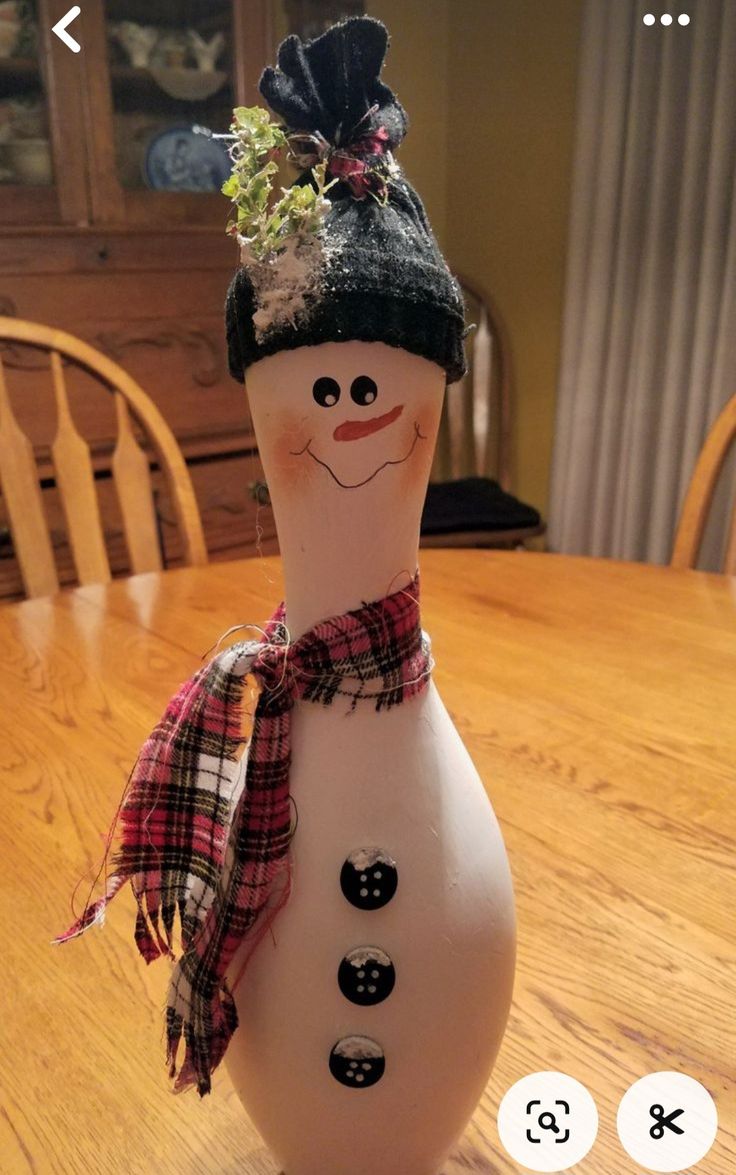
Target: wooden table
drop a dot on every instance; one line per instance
(598, 701)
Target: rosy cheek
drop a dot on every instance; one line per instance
(428, 420)
(284, 433)
(416, 470)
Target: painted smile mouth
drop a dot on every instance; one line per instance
(353, 430)
(418, 436)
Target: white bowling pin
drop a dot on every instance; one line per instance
(372, 1013)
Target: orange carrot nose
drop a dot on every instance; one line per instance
(353, 430)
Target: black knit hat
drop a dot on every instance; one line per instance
(383, 276)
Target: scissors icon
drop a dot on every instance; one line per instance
(657, 1112)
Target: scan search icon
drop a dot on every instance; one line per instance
(548, 1121)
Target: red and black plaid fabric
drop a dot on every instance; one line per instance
(196, 844)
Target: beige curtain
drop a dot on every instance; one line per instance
(649, 332)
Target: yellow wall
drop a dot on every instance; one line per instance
(417, 70)
(495, 81)
(513, 73)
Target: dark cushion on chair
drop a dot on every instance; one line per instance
(473, 503)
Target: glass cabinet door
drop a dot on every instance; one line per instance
(107, 135)
(170, 70)
(171, 81)
(39, 126)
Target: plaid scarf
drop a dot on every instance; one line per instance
(196, 844)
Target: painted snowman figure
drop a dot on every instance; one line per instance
(371, 1016)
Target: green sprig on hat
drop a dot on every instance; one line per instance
(261, 227)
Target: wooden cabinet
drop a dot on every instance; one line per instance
(95, 240)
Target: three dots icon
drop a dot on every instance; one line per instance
(666, 19)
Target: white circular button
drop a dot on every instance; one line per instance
(667, 1121)
(547, 1121)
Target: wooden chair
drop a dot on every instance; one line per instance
(469, 501)
(700, 494)
(74, 475)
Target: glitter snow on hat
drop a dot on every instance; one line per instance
(281, 244)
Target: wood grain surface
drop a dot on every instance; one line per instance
(597, 699)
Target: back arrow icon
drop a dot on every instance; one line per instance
(60, 29)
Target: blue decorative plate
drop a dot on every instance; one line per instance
(178, 160)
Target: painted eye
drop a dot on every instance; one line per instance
(363, 390)
(326, 391)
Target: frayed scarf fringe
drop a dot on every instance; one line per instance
(200, 1059)
(148, 938)
(203, 1050)
(151, 943)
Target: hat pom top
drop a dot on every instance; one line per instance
(331, 83)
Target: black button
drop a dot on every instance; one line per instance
(357, 1061)
(366, 976)
(369, 878)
